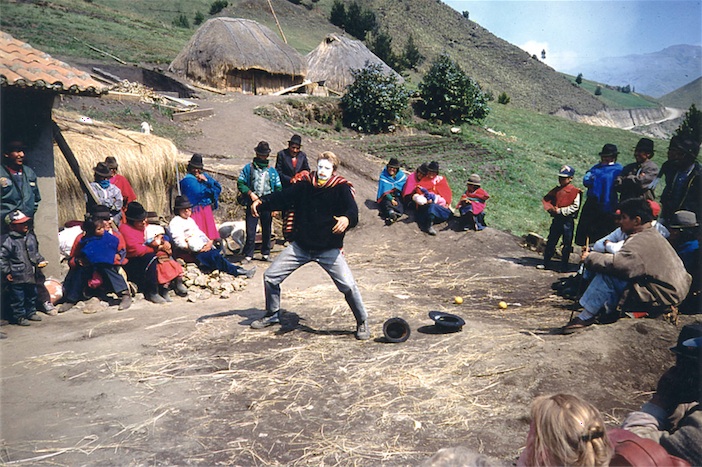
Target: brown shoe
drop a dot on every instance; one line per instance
(576, 324)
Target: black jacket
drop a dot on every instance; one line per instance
(19, 256)
(283, 164)
(315, 209)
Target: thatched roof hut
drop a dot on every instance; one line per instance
(148, 162)
(333, 60)
(240, 55)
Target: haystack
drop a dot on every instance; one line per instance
(334, 59)
(240, 55)
(148, 161)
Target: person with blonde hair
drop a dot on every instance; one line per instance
(565, 430)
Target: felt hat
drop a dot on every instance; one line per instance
(394, 163)
(295, 139)
(687, 333)
(182, 202)
(423, 169)
(101, 170)
(683, 220)
(609, 150)
(474, 179)
(17, 217)
(566, 171)
(100, 211)
(111, 162)
(655, 207)
(396, 330)
(262, 148)
(196, 162)
(644, 145)
(688, 146)
(433, 167)
(135, 212)
(446, 321)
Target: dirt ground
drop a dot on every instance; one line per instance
(193, 384)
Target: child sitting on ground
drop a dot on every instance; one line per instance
(471, 206)
(19, 259)
(97, 252)
(562, 203)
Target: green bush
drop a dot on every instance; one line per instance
(181, 21)
(217, 6)
(691, 127)
(503, 98)
(199, 18)
(374, 103)
(448, 95)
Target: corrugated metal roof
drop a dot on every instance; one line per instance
(21, 65)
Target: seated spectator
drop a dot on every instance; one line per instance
(471, 206)
(97, 253)
(106, 193)
(684, 236)
(188, 236)
(613, 242)
(121, 182)
(142, 266)
(683, 187)
(673, 415)
(432, 197)
(639, 179)
(565, 430)
(412, 181)
(646, 268)
(389, 197)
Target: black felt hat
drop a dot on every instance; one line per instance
(196, 162)
(262, 148)
(135, 212)
(433, 167)
(181, 202)
(396, 330)
(644, 145)
(100, 211)
(609, 150)
(689, 331)
(447, 321)
(296, 139)
(394, 163)
(102, 170)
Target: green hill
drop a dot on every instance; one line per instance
(684, 97)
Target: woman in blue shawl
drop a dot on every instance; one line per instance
(389, 199)
(203, 192)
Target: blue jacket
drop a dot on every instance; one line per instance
(201, 193)
(19, 256)
(389, 185)
(599, 181)
(245, 181)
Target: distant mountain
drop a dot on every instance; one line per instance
(653, 74)
(684, 97)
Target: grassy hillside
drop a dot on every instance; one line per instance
(685, 96)
(615, 99)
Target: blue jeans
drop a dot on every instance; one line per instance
(332, 261)
(22, 300)
(213, 260)
(603, 291)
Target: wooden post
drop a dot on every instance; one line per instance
(73, 164)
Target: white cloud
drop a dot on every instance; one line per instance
(559, 60)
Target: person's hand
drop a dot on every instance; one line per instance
(254, 207)
(207, 246)
(9, 278)
(342, 223)
(118, 258)
(393, 202)
(166, 246)
(43, 264)
(201, 177)
(585, 253)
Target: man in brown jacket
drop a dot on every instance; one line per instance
(646, 272)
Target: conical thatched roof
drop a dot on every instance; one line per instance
(333, 60)
(223, 45)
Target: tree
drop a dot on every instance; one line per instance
(465, 14)
(449, 95)
(375, 102)
(579, 79)
(411, 57)
(199, 18)
(337, 17)
(543, 54)
(359, 21)
(503, 98)
(217, 6)
(181, 21)
(380, 43)
(598, 90)
(691, 127)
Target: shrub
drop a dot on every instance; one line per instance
(374, 103)
(448, 95)
(579, 79)
(181, 21)
(691, 127)
(598, 91)
(411, 57)
(199, 18)
(217, 6)
(503, 98)
(337, 17)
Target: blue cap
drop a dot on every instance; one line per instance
(566, 171)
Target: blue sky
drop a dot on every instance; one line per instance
(575, 32)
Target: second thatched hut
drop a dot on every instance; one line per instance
(240, 55)
(334, 59)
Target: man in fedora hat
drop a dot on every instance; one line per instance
(106, 193)
(291, 161)
(638, 179)
(389, 198)
(187, 236)
(682, 172)
(325, 209)
(203, 191)
(255, 180)
(673, 415)
(684, 236)
(597, 218)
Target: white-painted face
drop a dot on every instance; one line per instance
(325, 169)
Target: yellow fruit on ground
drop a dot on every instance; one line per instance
(502, 305)
(458, 300)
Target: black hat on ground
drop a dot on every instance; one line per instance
(101, 170)
(446, 321)
(396, 330)
(181, 202)
(433, 167)
(135, 212)
(196, 162)
(644, 145)
(394, 163)
(262, 148)
(609, 150)
(296, 139)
